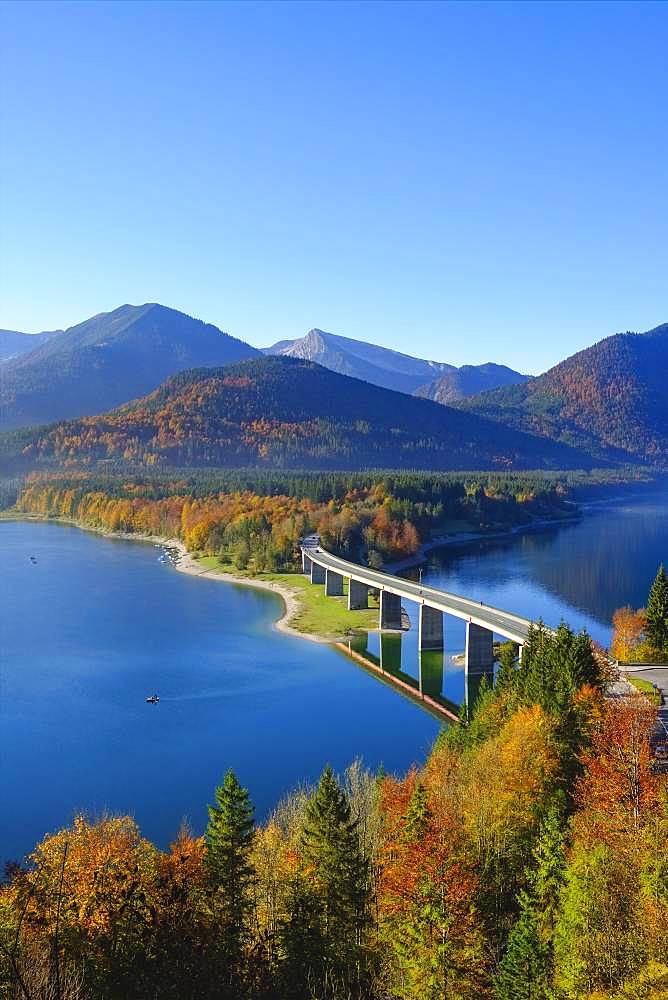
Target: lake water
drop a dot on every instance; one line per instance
(96, 624)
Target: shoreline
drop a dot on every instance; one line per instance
(466, 537)
(186, 563)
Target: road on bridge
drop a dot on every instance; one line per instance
(504, 623)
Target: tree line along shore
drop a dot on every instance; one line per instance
(247, 524)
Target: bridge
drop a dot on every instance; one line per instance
(482, 620)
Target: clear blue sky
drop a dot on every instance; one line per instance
(465, 182)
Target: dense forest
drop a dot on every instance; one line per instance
(608, 400)
(527, 859)
(255, 519)
(280, 412)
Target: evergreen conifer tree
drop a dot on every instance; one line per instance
(526, 968)
(229, 838)
(657, 614)
(332, 851)
(523, 972)
(301, 944)
(546, 878)
(417, 815)
(507, 676)
(554, 666)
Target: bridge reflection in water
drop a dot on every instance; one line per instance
(431, 678)
(344, 580)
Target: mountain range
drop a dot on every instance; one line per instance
(609, 400)
(392, 370)
(107, 360)
(116, 356)
(284, 412)
(605, 404)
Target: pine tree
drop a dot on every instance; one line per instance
(657, 614)
(507, 673)
(523, 972)
(554, 666)
(301, 944)
(229, 838)
(333, 853)
(526, 968)
(546, 878)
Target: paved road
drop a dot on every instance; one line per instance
(659, 676)
(504, 623)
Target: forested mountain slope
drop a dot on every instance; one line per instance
(107, 360)
(391, 369)
(283, 412)
(609, 399)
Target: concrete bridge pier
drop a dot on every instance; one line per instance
(333, 584)
(390, 610)
(479, 660)
(306, 564)
(430, 628)
(317, 573)
(479, 657)
(358, 595)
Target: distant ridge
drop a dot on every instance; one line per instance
(283, 412)
(469, 380)
(392, 369)
(609, 399)
(13, 344)
(107, 360)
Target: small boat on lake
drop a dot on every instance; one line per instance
(152, 699)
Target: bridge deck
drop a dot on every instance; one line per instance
(504, 623)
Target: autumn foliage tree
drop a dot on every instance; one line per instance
(628, 634)
(427, 895)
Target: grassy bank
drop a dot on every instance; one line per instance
(645, 687)
(327, 617)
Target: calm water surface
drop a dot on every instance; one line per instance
(97, 624)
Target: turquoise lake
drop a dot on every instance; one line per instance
(95, 624)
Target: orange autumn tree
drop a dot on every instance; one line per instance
(89, 894)
(426, 893)
(388, 533)
(181, 936)
(619, 787)
(628, 636)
